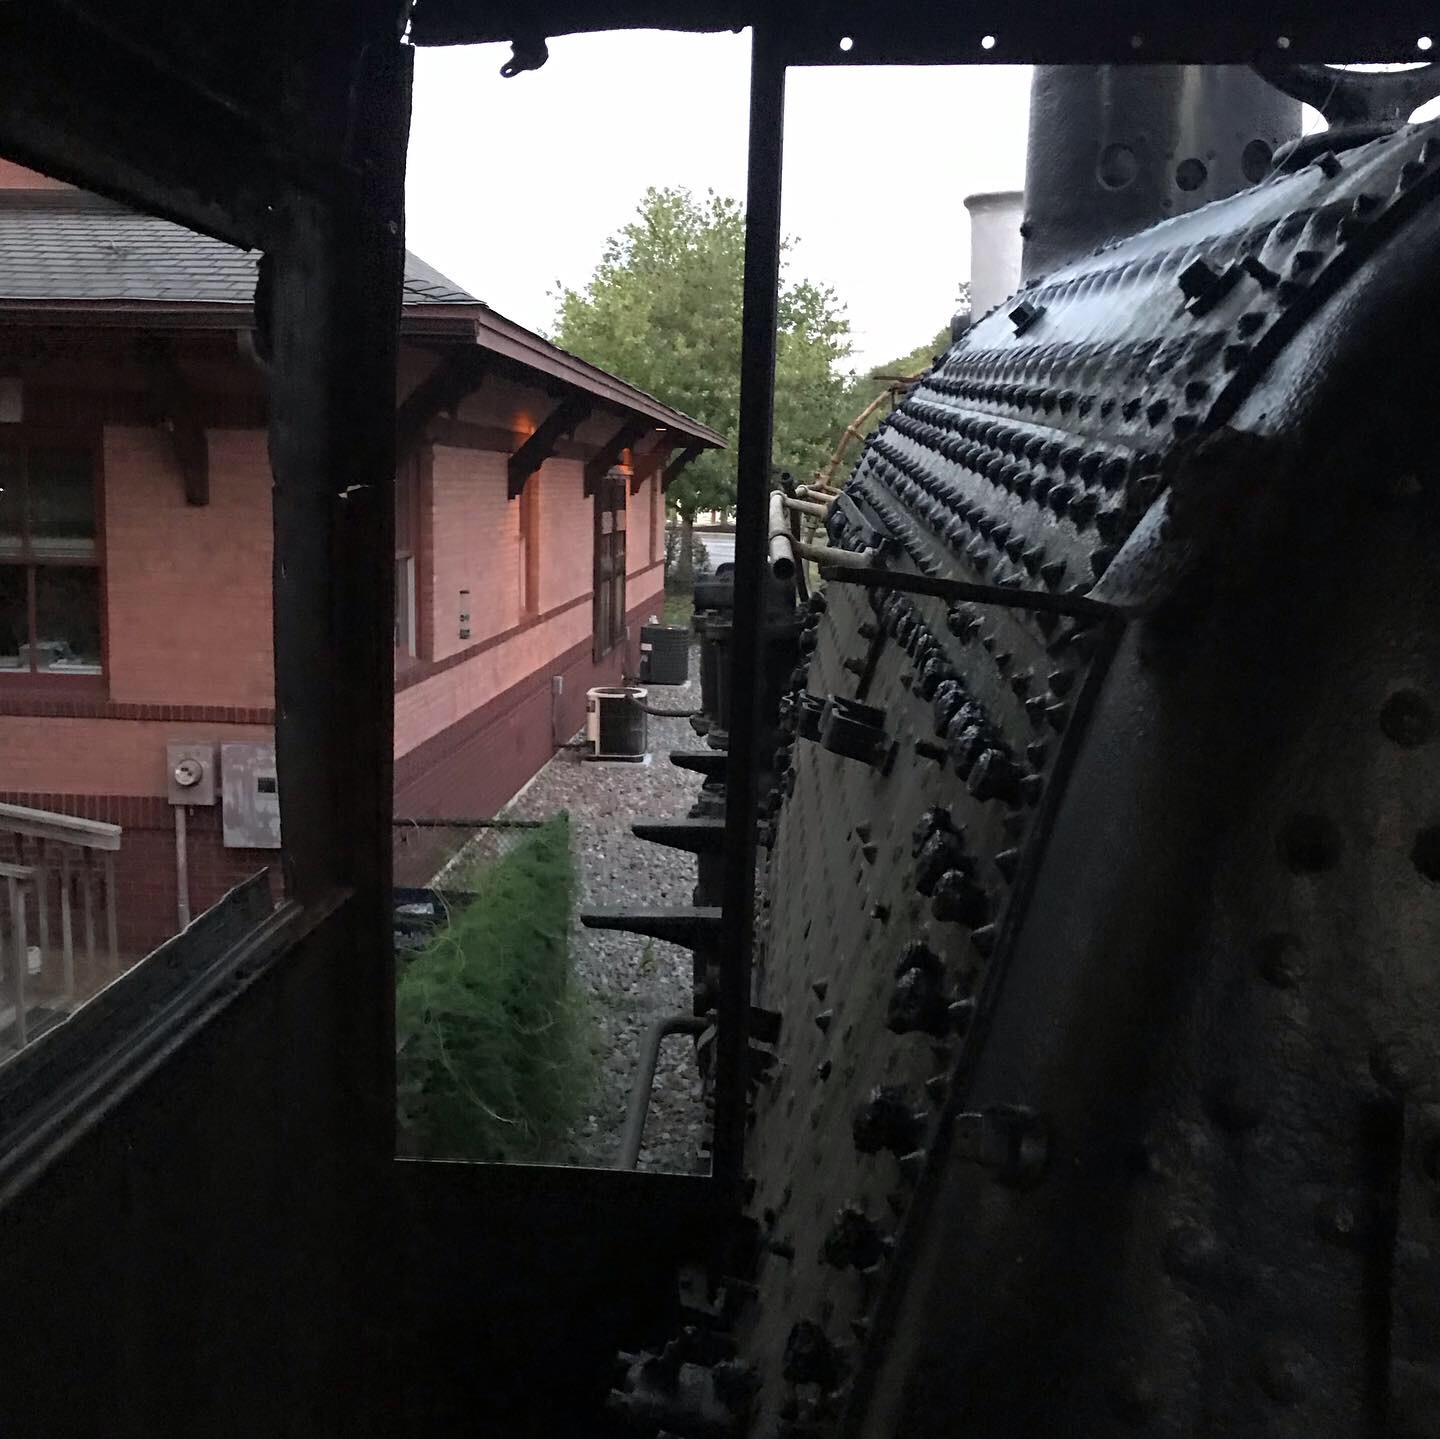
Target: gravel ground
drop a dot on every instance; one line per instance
(631, 981)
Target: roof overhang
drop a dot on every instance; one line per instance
(516, 351)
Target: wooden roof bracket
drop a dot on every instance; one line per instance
(458, 374)
(608, 455)
(672, 470)
(652, 462)
(179, 418)
(571, 412)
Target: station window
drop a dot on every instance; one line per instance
(50, 580)
(407, 525)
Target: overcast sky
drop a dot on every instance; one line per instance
(515, 184)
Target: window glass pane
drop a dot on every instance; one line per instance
(404, 510)
(67, 619)
(62, 503)
(405, 608)
(12, 504)
(14, 624)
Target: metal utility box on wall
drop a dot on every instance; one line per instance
(250, 796)
(190, 772)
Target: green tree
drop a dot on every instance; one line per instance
(877, 384)
(663, 310)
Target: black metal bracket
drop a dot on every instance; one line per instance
(688, 925)
(571, 412)
(697, 836)
(709, 762)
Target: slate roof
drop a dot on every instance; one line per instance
(86, 255)
(69, 245)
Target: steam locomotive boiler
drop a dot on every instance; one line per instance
(1101, 906)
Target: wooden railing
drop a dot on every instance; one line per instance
(46, 853)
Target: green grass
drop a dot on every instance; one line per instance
(678, 608)
(494, 1035)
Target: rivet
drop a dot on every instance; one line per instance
(1308, 844)
(1196, 278)
(1398, 1066)
(1329, 163)
(1283, 1371)
(854, 1241)
(912, 1166)
(824, 1020)
(810, 1357)
(1281, 960)
(887, 1120)
(1024, 315)
(1345, 1221)
(822, 1070)
(821, 988)
(1406, 718)
(1425, 853)
(1192, 1253)
(1236, 1104)
(1261, 273)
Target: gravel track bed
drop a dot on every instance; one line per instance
(631, 981)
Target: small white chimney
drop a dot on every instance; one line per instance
(995, 245)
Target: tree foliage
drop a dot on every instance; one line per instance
(663, 311)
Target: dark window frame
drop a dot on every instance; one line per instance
(408, 550)
(608, 582)
(90, 438)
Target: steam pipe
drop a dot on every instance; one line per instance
(805, 507)
(634, 1132)
(782, 543)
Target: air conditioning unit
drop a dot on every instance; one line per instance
(615, 722)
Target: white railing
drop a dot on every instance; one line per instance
(78, 855)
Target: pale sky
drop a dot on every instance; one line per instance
(515, 184)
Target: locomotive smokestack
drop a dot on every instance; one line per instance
(995, 243)
(1114, 148)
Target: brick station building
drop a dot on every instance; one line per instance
(135, 535)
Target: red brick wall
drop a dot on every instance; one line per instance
(188, 586)
(475, 546)
(99, 756)
(567, 534)
(473, 766)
